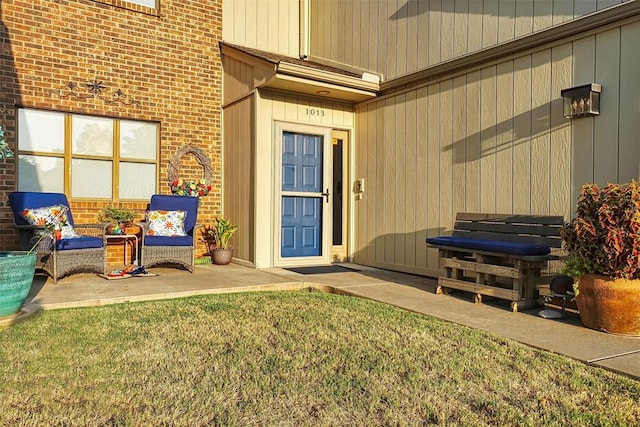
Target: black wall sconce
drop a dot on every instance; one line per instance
(581, 101)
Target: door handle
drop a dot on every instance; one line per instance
(326, 195)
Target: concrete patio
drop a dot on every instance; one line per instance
(564, 336)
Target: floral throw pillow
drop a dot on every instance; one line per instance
(166, 223)
(54, 217)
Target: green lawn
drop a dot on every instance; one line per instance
(289, 358)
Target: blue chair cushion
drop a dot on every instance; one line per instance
(511, 248)
(168, 240)
(177, 203)
(21, 200)
(84, 242)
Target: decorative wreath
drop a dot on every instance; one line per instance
(201, 157)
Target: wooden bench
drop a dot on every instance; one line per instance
(498, 255)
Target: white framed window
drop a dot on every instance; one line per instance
(87, 157)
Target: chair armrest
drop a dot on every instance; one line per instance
(29, 237)
(92, 230)
(143, 225)
(30, 227)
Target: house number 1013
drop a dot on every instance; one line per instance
(315, 112)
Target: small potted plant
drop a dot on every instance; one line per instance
(217, 236)
(118, 218)
(603, 244)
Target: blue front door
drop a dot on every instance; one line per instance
(302, 195)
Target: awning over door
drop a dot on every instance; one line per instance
(306, 77)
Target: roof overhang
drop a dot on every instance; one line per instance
(307, 80)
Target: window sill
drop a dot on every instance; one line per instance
(124, 4)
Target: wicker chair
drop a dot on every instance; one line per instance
(59, 257)
(177, 250)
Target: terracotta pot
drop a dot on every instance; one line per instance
(221, 256)
(115, 229)
(609, 305)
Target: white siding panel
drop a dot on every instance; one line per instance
(435, 30)
(423, 34)
(490, 23)
(522, 135)
(379, 38)
(488, 141)
(583, 7)
(446, 187)
(371, 182)
(582, 153)
(562, 11)
(414, 190)
(271, 25)
(434, 222)
(606, 145)
(506, 20)
(504, 138)
(541, 140)
(357, 27)
(473, 147)
(390, 191)
(603, 4)
(458, 146)
(379, 189)
(447, 31)
(400, 59)
(524, 17)
(361, 152)
(542, 14)
(560, 173)
(368, 44)
(262, 25)
(332, 34)
(629, 156)
(238, 190)
(401, 188)
(422, 174)
(461, 27)
(474, 37)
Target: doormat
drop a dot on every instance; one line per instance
(128, 271)
(321, 269)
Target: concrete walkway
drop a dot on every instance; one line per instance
(565, 336)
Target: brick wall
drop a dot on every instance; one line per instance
(166, 58)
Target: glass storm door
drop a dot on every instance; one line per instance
(305, 196)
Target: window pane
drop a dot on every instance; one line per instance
(39, 173)
(92, 135)
(40, 131)
(137, 180)
(138, 140)
(91, 178)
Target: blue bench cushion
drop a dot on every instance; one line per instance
(82, 242)
(168, 240)
(511, 248)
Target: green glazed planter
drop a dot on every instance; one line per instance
(16, 276)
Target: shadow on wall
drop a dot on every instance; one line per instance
(9, 97)
(536, 10)
(505, 135)
(402, 251)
